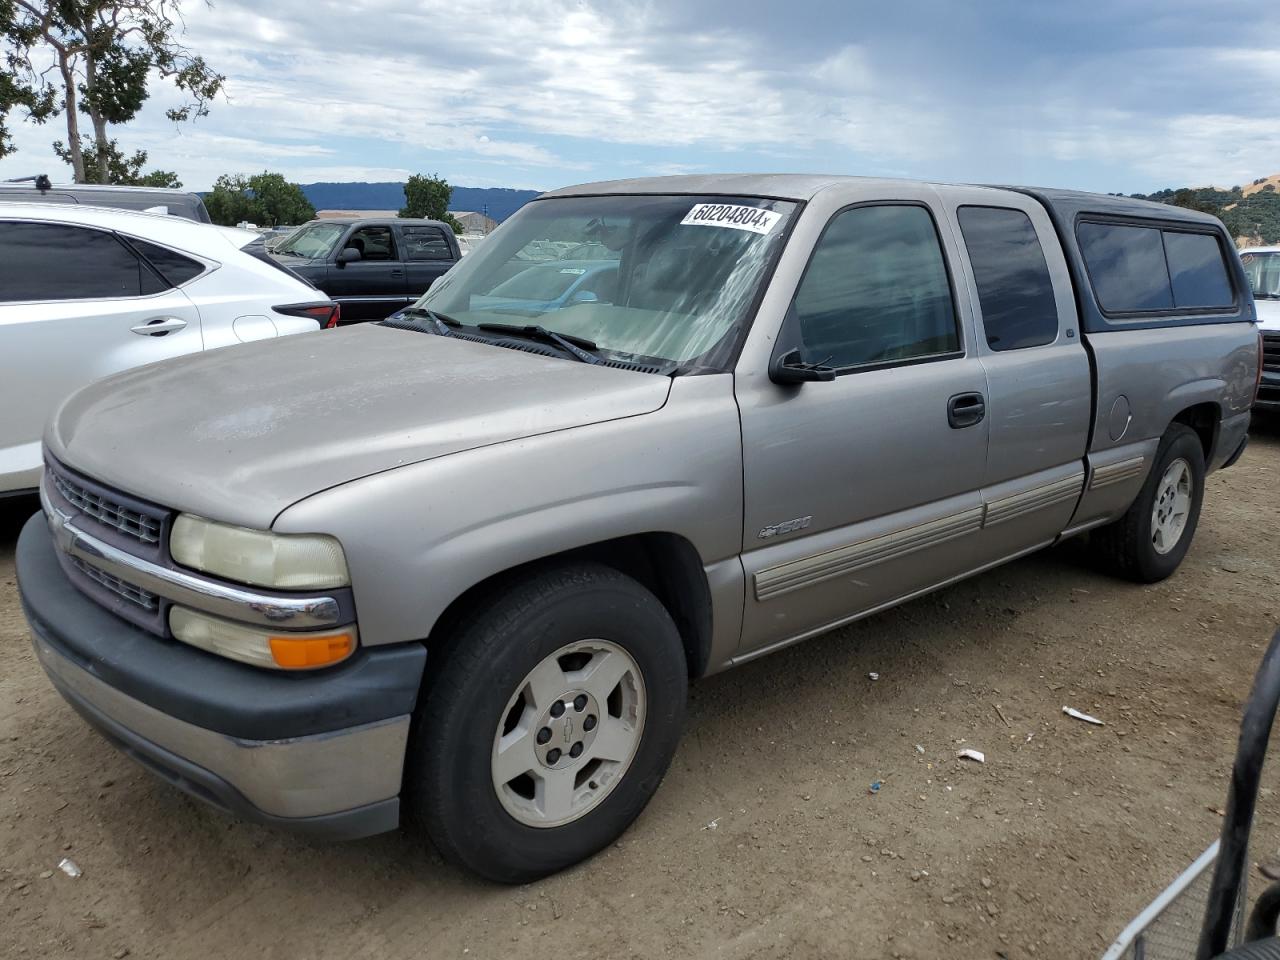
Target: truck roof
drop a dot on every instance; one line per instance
(804, 186)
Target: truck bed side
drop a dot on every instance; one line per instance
(1153, 368)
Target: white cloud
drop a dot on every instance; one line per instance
(547, 91)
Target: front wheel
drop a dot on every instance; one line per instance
(553, 717)
(1148, 543)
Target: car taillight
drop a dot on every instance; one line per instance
(326, 314)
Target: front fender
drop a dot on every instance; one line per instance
(417, 537)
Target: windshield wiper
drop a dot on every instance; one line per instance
(573, 345)
(442, 322)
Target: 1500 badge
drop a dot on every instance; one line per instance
(787, 526)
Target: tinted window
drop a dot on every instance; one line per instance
(174, 267)
(425, 243)
(42, 261)
(1014, 289)
(1135, 269)
(1197, 271)
(876, 290)
(1126, 267)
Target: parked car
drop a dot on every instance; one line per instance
(372, 267)
(86, 291)
(475, 590)
(1262, 267)
(177, 203)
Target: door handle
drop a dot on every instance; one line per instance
(159, 326)
(966, 409)
(397, 272)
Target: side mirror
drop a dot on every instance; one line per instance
(348, 255)
(789, 368)
(584, 296)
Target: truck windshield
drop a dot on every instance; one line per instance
(665, 278)
(1263, 271)
(313, 241)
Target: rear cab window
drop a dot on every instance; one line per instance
(425, 243)
(1015, 289)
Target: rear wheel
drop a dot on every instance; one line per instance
(552, 718)
(1148, 543)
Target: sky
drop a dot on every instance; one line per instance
(1120, 96)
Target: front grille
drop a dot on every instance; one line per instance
(1271, 351)
(143, 598)
(106, 510)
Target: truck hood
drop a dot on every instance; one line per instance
(239, 434)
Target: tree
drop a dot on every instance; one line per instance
(92, 57)
(267, 199)
(1191, 200)
(428, 198)
(126, 171)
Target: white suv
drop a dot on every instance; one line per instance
(88, 291)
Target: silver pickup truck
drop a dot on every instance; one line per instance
(459, 567)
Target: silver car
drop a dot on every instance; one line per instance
(459, 567)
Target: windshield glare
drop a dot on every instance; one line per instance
(313, 241)
(1263, 271)
(644, 277)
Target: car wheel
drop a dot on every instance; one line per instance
(548, 722)
(1148, 543)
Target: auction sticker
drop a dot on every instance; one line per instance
(733, 216)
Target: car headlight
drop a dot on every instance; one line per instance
(285, 561)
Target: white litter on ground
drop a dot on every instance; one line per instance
(1083, 716)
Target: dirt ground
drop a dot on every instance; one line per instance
(764, 841)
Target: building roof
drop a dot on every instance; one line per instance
(355, 214)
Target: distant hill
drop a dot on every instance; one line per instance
(498, 202)
(1268, 184)
(1250, 212)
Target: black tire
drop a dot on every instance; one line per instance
(1125, 547)
(482, 662)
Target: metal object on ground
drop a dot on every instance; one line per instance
(1169, 929)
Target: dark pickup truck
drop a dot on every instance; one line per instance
(373, 267)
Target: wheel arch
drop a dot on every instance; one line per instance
(1205, 419)
(666, 564)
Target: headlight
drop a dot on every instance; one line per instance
(288, 651)
(286, 561)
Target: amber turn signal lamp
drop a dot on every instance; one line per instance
(307, 653)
